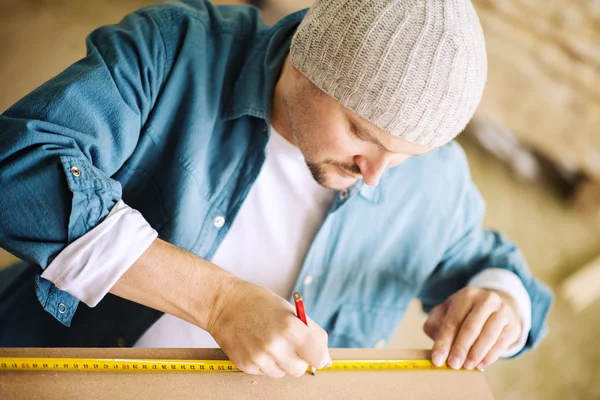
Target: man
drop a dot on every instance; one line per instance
(169, 168)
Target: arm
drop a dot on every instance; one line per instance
(461, 317)
(188, 291)
(60, 144)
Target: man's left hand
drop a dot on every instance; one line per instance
(472, 328)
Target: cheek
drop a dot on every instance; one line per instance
(322, 132)
(334, 143)
(399, 159)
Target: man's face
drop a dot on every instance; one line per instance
(339, 147)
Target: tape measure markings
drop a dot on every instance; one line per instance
(158, 365)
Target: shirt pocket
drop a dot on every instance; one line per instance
(365, 326)
(141, 193)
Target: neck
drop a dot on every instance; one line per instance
(279, 117)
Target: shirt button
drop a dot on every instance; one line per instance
(62, 308)
(75, 171)
(380, 343)
(219, 221)
(308, 280)
(344, 194)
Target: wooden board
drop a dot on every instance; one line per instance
(544, 76)
(405, 385)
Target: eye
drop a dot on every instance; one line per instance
(362, 138)
(357, 135)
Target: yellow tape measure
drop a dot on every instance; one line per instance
(157, 365)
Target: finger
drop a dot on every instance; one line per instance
(472, 326)
(315, 354)
(242, 361)
(251, 369)
(269, 367)
(509, 335)
(314, 347)
(293, 365)
(434, 321)
(489, 336)
(457, 311)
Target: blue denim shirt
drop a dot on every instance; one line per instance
(169, 111)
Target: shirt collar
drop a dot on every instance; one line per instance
(253, 90)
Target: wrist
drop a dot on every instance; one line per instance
(208, 298)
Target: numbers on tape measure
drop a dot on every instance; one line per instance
(83, 364)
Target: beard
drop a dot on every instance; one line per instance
(317, 170)
(303, 126)
(318, 173)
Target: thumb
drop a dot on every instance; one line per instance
(434, 321)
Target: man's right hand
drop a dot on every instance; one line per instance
(261, 333)
(257, 329)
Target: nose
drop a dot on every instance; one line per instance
(371, 169)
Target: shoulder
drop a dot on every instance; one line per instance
(213, 19)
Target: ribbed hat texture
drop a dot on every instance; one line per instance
(414, 68)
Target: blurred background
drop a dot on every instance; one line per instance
(533, 147)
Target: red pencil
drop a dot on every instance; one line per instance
(301, 313)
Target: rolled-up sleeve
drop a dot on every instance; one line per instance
(60, 145)
(90, 266)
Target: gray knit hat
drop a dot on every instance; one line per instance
(414, 68)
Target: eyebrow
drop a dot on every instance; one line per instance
(370, 138)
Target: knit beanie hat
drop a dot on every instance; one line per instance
(414, 68)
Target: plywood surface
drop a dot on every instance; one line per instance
(408, 385)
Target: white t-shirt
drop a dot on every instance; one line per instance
(268, 240)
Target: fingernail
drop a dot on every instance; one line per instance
(454, 362)
(438, 359)
(469, 364)
(480, 367)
